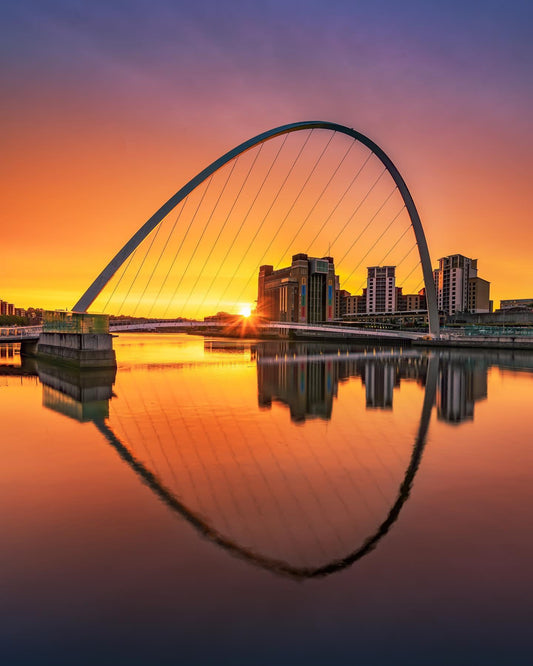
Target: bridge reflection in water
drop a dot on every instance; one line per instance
(290, 494)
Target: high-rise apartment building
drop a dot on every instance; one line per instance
(381, 289)
(302, 292)
(459, 289)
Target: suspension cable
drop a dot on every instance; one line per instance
(208, 290)
(202, 234)
(140, 266)
(120, 278)
(352, 182)
(380, 263)
(285, 218)
(359, 206)
(376, 241)
(200, 272)
(244, 220)
(316, 201)
(410, 272)
(406, 255)
(367, 225)
(419, 285)
(266, 215)
(172, 264)
(158, 260)
(185, 235)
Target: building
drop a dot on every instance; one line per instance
(341, 300)
(303, 292)
(459, 387)
(346, 304)
(410, 302)
(356, 304)
(31, 315)
(7, 308)
(479, 295)
(307, 387)
(380, 380)
(517, 304)
(381, 289)
(459, 289)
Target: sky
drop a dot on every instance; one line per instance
(108, 108)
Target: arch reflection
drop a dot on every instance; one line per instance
(322, 374)
(275, 565)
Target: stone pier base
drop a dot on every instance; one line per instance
(82, 350)
(28, 348)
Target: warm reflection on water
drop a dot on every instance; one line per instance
(222, 472)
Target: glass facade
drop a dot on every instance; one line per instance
(60, 321)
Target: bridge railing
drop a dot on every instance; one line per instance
(20, 331)
(488, 332)
(345, 330)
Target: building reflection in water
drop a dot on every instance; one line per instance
(462, 383)
(8, 352)
(305, 378)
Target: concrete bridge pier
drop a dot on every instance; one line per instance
(77, 339)
(28, 348)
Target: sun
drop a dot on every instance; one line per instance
(245, 311)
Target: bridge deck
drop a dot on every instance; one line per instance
(28, 333)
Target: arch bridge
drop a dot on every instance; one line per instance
(126, 252)
(119, 265)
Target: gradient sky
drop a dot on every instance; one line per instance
(109, 107)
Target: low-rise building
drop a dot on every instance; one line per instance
(517, 304)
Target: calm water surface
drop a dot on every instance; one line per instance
(223, 502)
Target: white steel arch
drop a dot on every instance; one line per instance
(118, 260)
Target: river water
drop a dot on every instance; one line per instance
(242, 502)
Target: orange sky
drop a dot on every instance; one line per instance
(100, 129)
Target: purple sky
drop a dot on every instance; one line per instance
(150, 92)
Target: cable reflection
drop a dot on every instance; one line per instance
(271, 564)
(303, 380)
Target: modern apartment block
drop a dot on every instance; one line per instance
(381, 289)
(459, 289)
(302, 292)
